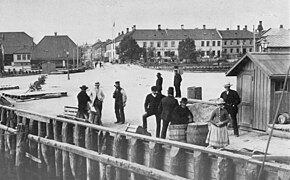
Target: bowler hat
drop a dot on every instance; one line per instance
(117, 83)
(153, 88)
(228, 84)
(158, 74)
(170, 90)
(183, 100)
(97, 83)
(84, 87)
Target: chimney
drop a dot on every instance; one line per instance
(260, 27)
(127, 30)
(246, 27)
(182, 26)
(238, 27)
(204, 27)
(281, 26)
(119, 33)
(159, 27)
(134, 26)
(122, 32)
(55, 33)
(228, 28)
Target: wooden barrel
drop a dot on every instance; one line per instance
(177, 132)
(284, 118)
(196, 133)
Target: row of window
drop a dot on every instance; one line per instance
(159, 44)
(213, 43)
(237, 50)
(23, 57)
(211, 53)
(237, 42)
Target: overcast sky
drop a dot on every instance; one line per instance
(89, 20)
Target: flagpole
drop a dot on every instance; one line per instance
(254, 41)
(113, 32)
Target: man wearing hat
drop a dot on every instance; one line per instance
(97, 96)
(83, 100)
(159, 82)
(177, 82)
(232, 100)
(166, 108)
(181, 114)
(151, 104)
(120, 102)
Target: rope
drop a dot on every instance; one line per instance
(275, 117)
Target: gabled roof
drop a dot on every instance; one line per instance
(171, 34)
(13, 41)
(272, 64)
(54, 47)
(278, 37)
(236, 34)
(24, 50)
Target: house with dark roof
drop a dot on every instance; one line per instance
(57, 49)
(237, 42)
(17, 48)
(260, 81)
(166, 41)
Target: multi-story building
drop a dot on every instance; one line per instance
(236, 42)
(17, 48)
(99, 50)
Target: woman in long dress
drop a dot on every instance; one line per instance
(218, 135)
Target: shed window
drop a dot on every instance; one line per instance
(279, 85)
(18, 57)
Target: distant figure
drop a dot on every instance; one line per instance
(166, 108)
(101, 64)
(120, 102)
(232, 100)
(218, 135)
(159, 83)
(97, 96)
(83, 100)
(151, 104)
(177, 83)
(181, 114)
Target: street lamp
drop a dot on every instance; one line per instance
(264, 45)
(67, 54)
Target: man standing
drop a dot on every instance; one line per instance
(166, 108)
(177, 82)
(151, 104)
(181, 114)
(97, 96)
(159, 82)
(232, 100)
(83, 100)
(120, 102)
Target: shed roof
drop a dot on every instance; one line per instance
(13, 41)
(272, 64)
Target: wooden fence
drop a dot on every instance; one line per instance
(67, 149)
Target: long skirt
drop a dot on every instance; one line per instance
(217, 136)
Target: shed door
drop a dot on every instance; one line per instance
(246, 106)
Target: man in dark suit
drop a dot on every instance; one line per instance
(232, 100)
(83, 99)
(151, 104)
(159, 82)
(166, 108)
(177, 82)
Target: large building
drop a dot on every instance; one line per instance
(17, 48)
(165, 41)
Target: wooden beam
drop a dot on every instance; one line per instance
(65, 154)
(57, 136)
(200, 165)
(119, 151)
(20, 151)
(176, 161)
(136, 151)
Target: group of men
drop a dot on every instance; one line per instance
(90, 105)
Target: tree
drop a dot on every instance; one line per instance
(186, 50)
(128, 49)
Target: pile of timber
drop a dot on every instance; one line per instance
(42, 94)
(8, 87)
(280, 130)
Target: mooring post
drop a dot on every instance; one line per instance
(91, 144)
(41, 133)
(12, 137)
(20, 151)
(176, 159)
(119, 151)
(2, 132)
(252, 171)
(109, 172)
(7, 136)
(33, 126)
(154, 155)
(136, 151)
(65, 154)
(103, 147)
(224, 169)
(57, 129)
(200, 165)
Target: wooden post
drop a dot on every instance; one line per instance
(103, 146)
(252, 171)
(20, 152)
(33, 145)
(12, 137)
(2, 132)
(176, 161)
(119, 151)
(201, 170)
(224, 169)
(57, 127)
(109, 172)
(136, 152)
(91, 143)
(41, 133)
(154, 154)
(65, 154)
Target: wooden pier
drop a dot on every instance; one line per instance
(66, 149)
(21, 95)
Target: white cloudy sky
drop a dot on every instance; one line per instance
(89, 20)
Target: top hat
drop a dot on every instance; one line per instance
(97, 83)
(84, 87)
(220, 101)
(228, 84)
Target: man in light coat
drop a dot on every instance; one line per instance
(97, 96)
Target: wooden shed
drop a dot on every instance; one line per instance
(260, 79)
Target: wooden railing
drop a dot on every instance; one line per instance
(67, 149)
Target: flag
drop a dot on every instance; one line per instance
(114, 24)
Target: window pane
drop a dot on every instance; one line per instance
(165, 44)
(172, 43)
(28, 56)
(23, 56)
(213, 43)
(18, 57)
(219, 43)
